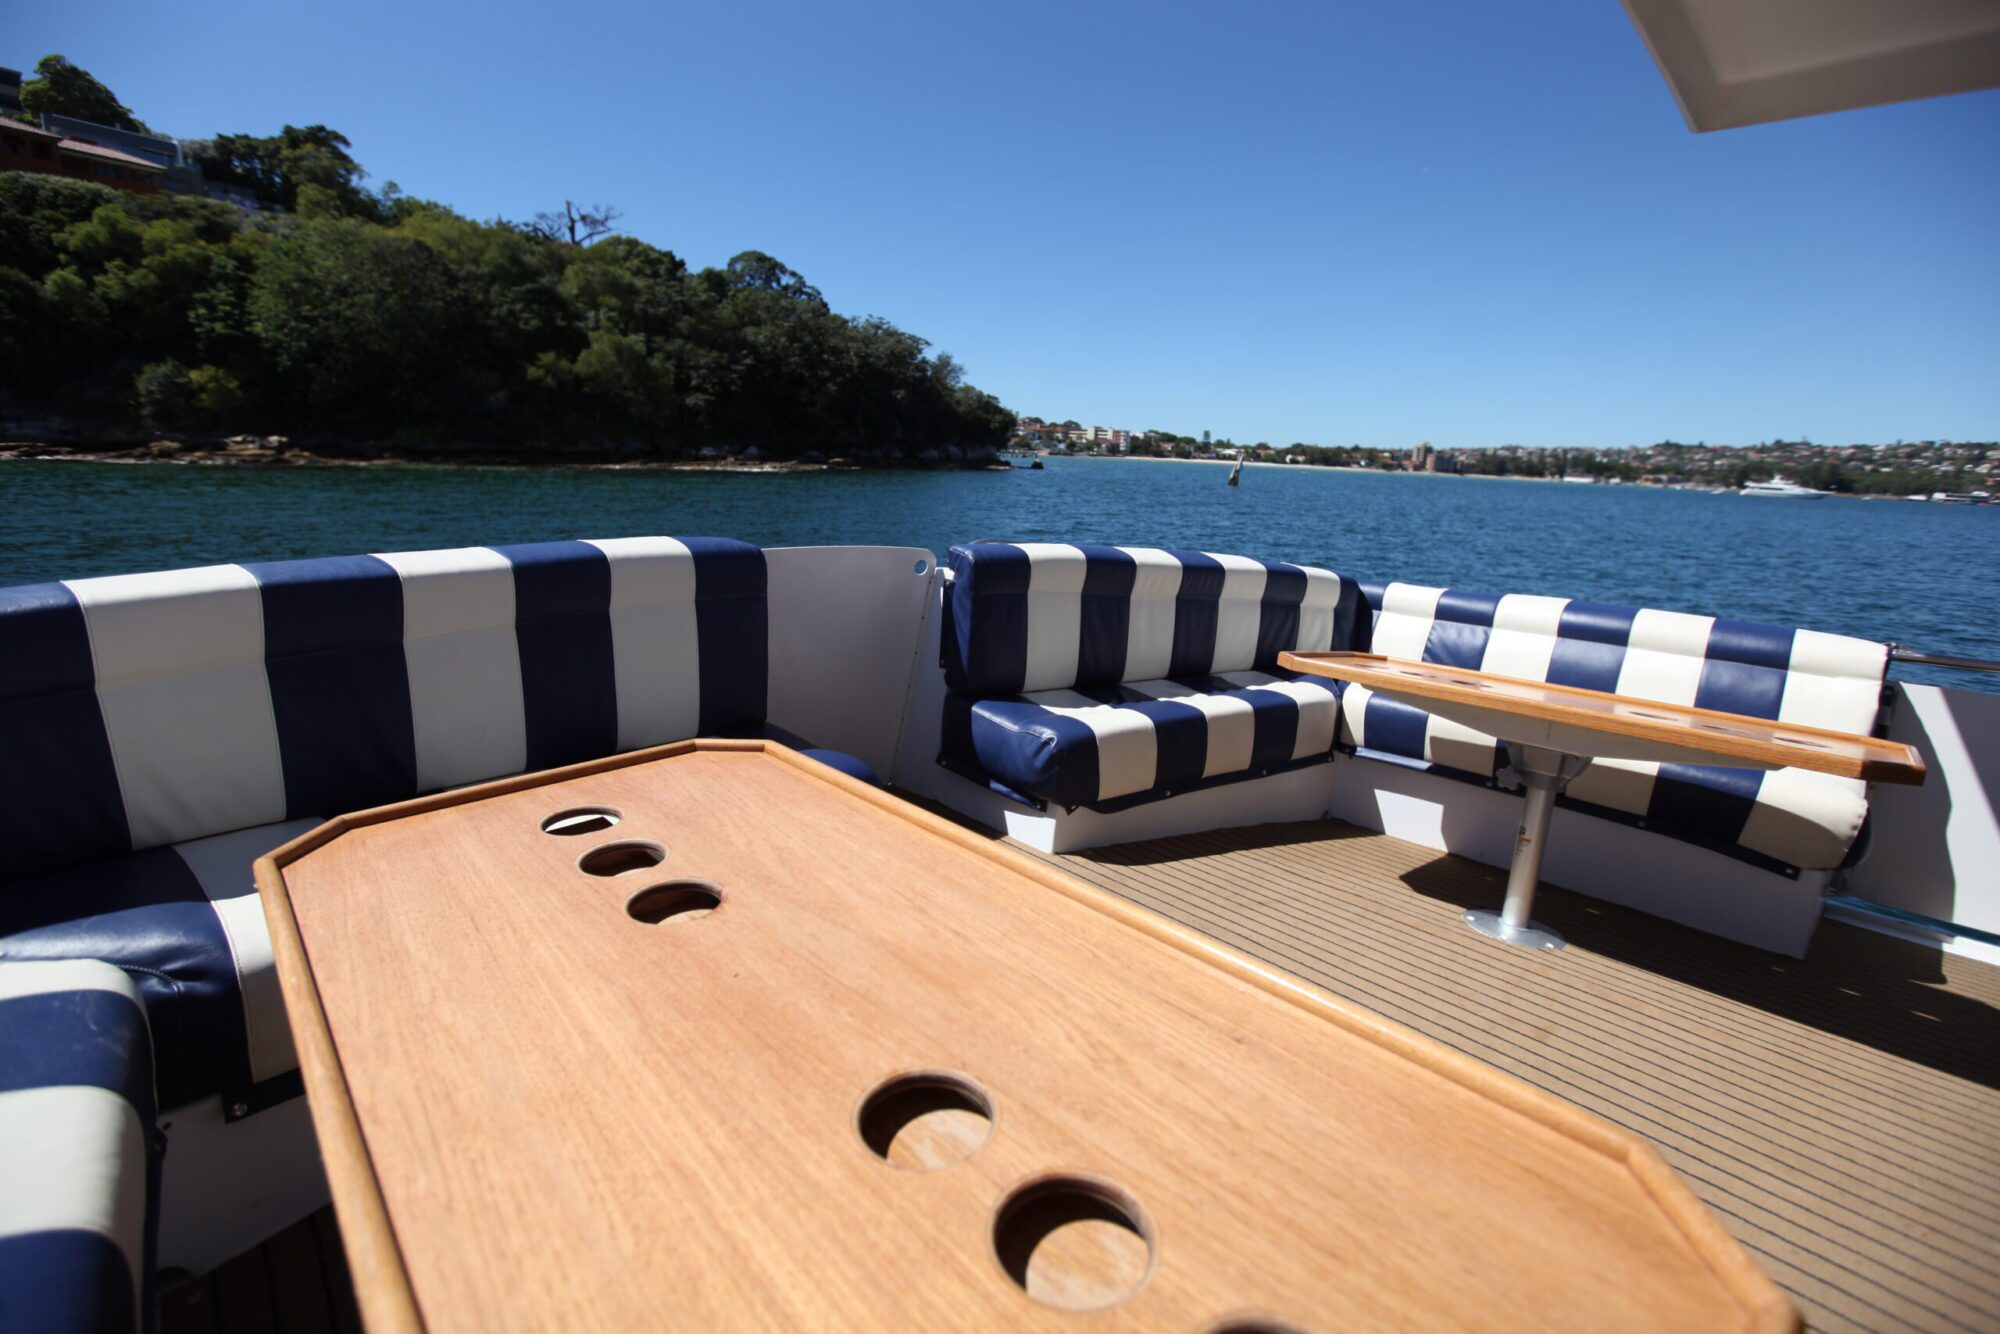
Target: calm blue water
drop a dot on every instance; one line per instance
(1924, 575)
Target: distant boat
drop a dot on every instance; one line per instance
(1780, 489)
(1236, 474)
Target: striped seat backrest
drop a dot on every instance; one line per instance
(147, 709)
(1044, 616)
(1795, 676)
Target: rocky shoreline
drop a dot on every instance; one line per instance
(281, 452)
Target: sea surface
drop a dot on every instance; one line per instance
(1919, 574)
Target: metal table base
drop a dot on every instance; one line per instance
(1543, 773)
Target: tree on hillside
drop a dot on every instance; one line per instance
(362, 326)
(278, 166)
(410, 323)
(69, 90)
(575, 225)
(755, 271)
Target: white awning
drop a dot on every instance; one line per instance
(1745, 62)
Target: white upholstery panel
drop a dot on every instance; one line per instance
(1056, 574)
(42, 977)
(655, 639)
(1403, 626)
(1834, 682)
(1807, 819)
(1459, 746)
(1523, 639)
(1128, 750)
(464, 664)
(76, 1159)
(179, 659)
(222, 865)
(1149, 631)
(1318, 610)
(1239, 613)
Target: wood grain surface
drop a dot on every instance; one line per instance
(538, 1111)
(1723, 735)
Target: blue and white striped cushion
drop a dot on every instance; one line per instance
(1094, 744)
(187, 924)
(77, 1150)
(144, 710)
(1789, 816)
(1032, 616)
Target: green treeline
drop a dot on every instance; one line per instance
(379, 317)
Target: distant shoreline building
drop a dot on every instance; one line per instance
(1428, 458)
(29, 148)
(1100, 439)
(85, 151)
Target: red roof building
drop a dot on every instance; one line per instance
(25, 147)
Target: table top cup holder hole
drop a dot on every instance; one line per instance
(926, 1120)
(581, 820)
(674, 901)
(621, 858)
(1073, 1243)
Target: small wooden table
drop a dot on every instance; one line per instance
(780, 1050)
(1553, 732)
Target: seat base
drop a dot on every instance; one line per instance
(228, 1184)
(1294, 794)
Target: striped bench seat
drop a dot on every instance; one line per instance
(1109, 676)
(1785, 820)
(79, 1154)
(165, 730)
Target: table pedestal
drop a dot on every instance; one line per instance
(1543, 773)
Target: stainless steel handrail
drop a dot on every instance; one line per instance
(1870, 908)
(1899, 653)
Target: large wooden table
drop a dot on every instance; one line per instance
(1554, 731)
(538, 1110)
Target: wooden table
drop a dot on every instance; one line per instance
(538, 1110)
(1553, 732)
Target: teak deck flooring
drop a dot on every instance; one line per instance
(1840, 1113)
(295, 1283)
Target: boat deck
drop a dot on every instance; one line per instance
(295, 1283)
(1840, 1113)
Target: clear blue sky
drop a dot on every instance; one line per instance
(1336, 222)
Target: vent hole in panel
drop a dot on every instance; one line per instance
(622, 858)
(581, 820)
(674, 901)
(926, 1121)
(1073, 1244)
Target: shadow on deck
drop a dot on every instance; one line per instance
(1854, 984)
